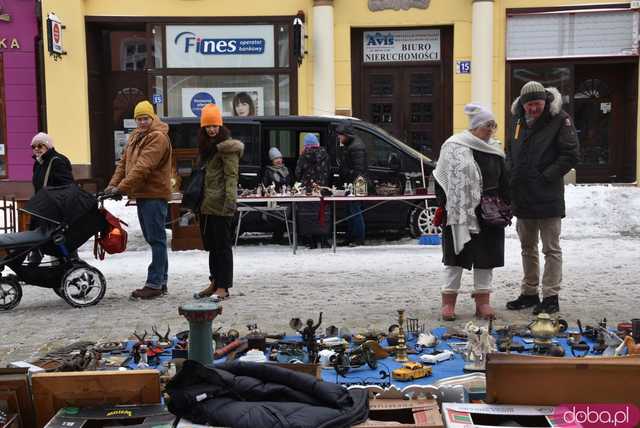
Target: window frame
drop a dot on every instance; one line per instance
(3, 121)
(291, 71)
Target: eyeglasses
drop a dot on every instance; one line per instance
(38, 147)
(490, 125)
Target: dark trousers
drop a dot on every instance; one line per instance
(216, 234)
(355, 225)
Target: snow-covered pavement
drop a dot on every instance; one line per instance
(356, 287)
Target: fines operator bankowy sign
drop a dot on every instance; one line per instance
(401, 46)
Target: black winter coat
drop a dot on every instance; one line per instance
(59, 175)
(278, 176)
(252, 395)
(313, 165)
(486, 249)
(538, 157)
(354, 161)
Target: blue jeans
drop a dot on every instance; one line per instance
(152, 214)
(355, 229)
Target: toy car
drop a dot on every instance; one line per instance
(411, 371)
(436, 358)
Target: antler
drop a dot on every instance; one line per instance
(141, 339)
(162, 338)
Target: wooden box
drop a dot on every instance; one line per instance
(53, 391)
(419, 413)
(15, 396)
(549, 381)
(313, 369)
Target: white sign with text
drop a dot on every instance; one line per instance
(401, 46)
(219, 46)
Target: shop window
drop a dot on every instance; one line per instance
(283, 95)
(156, 31)
(282, 34)
(237, 95)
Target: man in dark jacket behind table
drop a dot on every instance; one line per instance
(144, 174)
(353, 164)
(543, 147)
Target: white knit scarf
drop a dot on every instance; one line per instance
(460, 177)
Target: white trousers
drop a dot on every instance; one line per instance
(482, 279)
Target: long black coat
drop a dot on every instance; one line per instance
(313, 165)
(60, 174)
(486, 249)
(354, 160)
(251, 395)
(538, 157)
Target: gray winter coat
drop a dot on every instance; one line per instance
(538, 157)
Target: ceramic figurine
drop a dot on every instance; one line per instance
(479, 344)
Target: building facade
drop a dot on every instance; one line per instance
(19, 99)
(408, 66)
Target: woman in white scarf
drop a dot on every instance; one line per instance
(471, 164)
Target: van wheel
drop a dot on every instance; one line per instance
(421, 222)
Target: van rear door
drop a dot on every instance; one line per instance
(249, 132)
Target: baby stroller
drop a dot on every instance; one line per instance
(63, 218)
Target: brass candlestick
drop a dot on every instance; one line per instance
(401, 347)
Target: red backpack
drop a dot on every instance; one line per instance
(113, 239)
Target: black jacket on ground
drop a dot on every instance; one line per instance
(354, 160)
(313, 165)
(278, 176)
(60, 174)
(486, 249)
(538, 157)
(252, 395)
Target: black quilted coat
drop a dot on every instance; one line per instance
(252, 395)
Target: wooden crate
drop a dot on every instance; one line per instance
(53, 391)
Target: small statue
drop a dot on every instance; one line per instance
(480, 343)
(309, 338)
(360, 186)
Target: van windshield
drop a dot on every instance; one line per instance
(405, 146)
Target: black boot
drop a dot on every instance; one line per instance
(548, 305)
(523, 301)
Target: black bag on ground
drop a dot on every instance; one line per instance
(193, 193)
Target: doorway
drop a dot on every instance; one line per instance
(117, 63)
(403, 101)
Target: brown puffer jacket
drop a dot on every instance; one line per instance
(144, 172)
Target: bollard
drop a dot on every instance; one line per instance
(200, 316)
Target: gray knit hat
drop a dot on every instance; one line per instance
(274, 153)
(532, 91)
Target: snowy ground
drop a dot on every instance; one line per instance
(356, 287)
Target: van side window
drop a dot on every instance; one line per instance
(283, 140)
(378, 150)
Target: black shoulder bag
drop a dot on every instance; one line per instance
(193, 194)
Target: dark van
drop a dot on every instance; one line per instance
(392, 164)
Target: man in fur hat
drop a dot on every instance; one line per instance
(542, 148)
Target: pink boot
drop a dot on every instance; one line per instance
(449, 306)
(483, 308)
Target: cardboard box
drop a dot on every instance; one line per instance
(154, 415)
(466, 415)
(403, 413)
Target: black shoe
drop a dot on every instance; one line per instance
(548, 305)
(523, 301)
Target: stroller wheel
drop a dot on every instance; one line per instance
(83, 285)
(10, 292)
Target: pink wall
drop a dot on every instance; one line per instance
(20, 88)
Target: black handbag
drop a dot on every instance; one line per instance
(193, 194)
(494, 211)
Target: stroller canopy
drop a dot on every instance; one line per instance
(64, 204)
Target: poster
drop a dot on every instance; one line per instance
(401, 45)
(237, 101)
(119, 142)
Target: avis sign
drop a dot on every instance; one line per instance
(224, 46)
(401, 46)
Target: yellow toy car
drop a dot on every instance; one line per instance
(411, 371)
